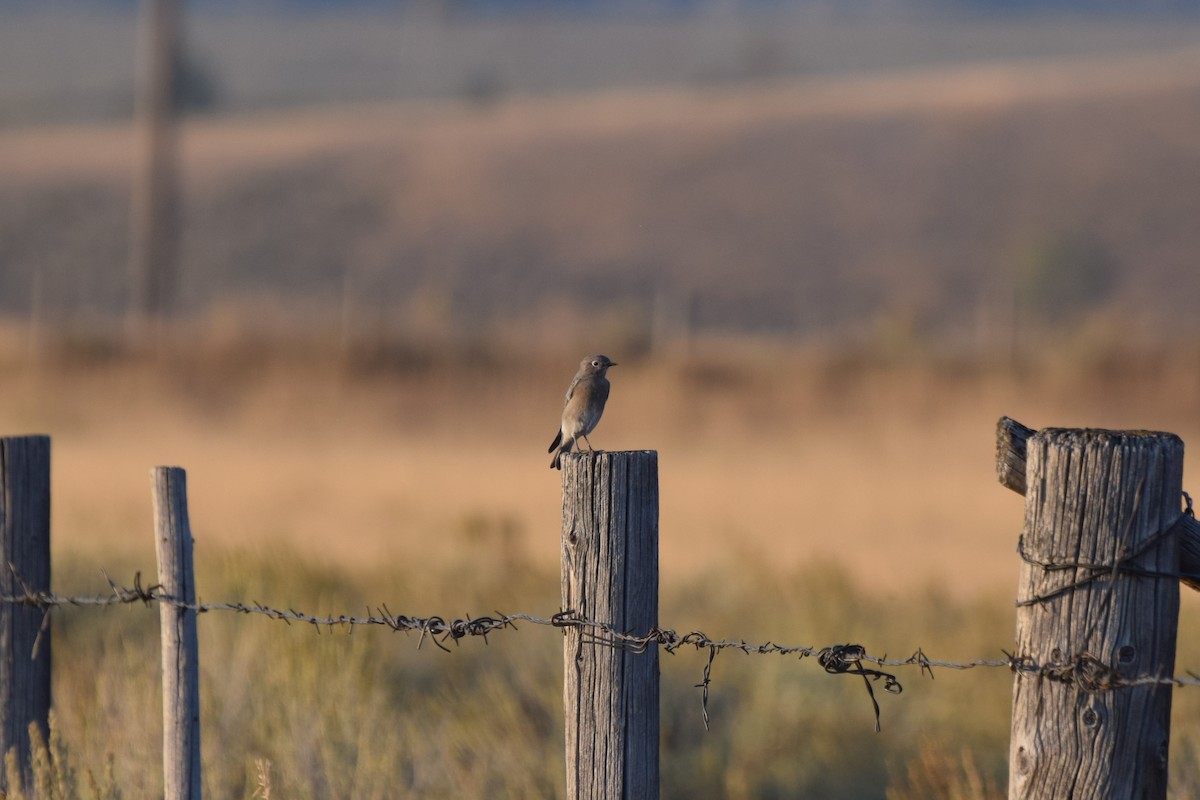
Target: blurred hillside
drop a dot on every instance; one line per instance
(899, 183)
(73, 60)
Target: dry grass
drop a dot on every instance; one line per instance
(806, 498)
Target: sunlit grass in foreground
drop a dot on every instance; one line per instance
(369, 715)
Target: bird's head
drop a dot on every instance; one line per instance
(596, 365)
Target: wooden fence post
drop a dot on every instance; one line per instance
(180, 647)
(610, 575)
(24, 630)
(1100, 507)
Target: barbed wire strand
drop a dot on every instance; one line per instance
(1083, 669)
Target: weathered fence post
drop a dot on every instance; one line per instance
(610, 575)
(1102, 514)
(180, 648)
(24, 630)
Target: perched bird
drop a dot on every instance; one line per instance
(585, 403)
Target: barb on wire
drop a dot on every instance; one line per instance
(848, 658)
(45, 624)
(703, 685)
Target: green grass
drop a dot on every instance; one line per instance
(288, 711)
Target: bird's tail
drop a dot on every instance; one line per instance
(566, 448)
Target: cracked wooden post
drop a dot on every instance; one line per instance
(1012, 439)
(24, 630)
(1094, 498)
(180, 647)
(610, 575)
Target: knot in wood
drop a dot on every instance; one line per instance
(1024, 762)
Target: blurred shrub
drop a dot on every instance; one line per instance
(1065, 275)
(196, 85)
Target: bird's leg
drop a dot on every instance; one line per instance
(589, 443)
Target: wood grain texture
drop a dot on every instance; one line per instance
(1095, 496)
(25, 543)
(610, 574)
(1011, 440)
(180, 647)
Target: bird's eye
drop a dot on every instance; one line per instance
(595, 363)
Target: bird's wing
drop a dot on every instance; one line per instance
(571, 388)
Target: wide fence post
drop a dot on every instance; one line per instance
(24, 630)
(180, 647)
(1097, 605)
(610, 576)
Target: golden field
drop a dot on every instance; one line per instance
(883, 464)
(806, 498)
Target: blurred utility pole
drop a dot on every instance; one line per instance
(154, 233)
(36, 301)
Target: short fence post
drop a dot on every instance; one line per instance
(610, 575)
(1101, 514)
(24, 630)
(180, 647)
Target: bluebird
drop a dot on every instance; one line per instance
(585, 403)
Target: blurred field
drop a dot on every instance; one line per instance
(883, 465)
(250, 58)
(350, 276)
(880, 209)
(807, 498)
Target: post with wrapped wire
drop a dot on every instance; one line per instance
(24, 630)
(180, 646)
(1097, 609)
(610, 575)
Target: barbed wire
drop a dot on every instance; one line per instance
(1083, 669)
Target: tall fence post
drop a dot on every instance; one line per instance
(24, 630)
(1102, 514)
(180, 647)
(610, 575)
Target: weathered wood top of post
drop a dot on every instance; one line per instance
(1011, 442)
